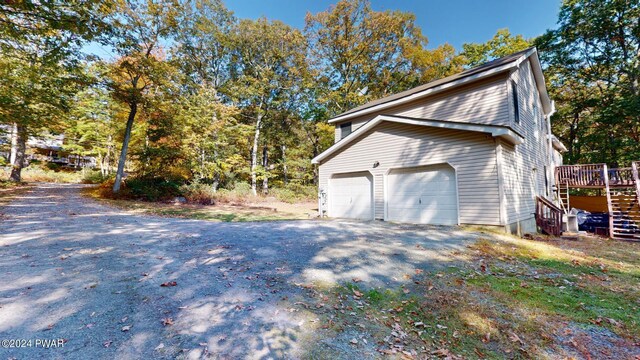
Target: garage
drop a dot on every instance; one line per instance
(351, 196)
(423, 195)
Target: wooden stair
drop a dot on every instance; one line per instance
(622, 189)
(624, 208)
(563, 197)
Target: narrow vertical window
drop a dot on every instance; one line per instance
(345, 129)
(516, 104)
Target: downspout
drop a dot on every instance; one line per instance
(550, 169)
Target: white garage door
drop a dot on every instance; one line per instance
(425, 195)
(351, 196)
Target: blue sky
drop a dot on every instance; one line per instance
(452, 21)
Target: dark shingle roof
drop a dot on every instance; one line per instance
(469, 72)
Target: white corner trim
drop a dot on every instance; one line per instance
(495, 131)
(434, 90)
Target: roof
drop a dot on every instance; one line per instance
(487, 69)
(495, 130)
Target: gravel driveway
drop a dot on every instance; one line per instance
(77, 270)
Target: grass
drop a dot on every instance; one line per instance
(222, 212)
(512, 298)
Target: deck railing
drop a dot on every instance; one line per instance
(621, 177)
(548, 216)
(581, 175)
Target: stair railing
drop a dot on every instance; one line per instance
(636, 178)
(548, 216)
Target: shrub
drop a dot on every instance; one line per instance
(143, 188)
(199, 193)
(242, 189)
(293, 193)
(3, 161)
(94, 177)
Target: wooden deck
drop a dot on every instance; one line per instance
(592, 176)
(622, 188)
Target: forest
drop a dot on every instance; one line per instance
(181, 96)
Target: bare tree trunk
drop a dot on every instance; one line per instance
(21, 149)
(133, 108)
(254, 153)
(265, 166)
(14, 144)
(285, 176)
(108, 156)
(103, 170)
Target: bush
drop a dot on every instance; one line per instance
(199, 193)
(143, 188)
(94, 177)
(293, 193)
(3, 161)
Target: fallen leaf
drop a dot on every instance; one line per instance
(169, 283)
(167, 321)
(356, 280)
(441, 353)
(107, 343)
(161, 346)
(515, 338)
(486, 338)
(353, 341)
(126, 328)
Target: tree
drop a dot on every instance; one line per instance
(269, 60)
(40, 63)
(593, 67)
(502, 44)
(361, 54)
(91, 129)
(211, 136)
(142, 27)
(202, 44)
(35, 95)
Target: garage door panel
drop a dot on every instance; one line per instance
(425, 195)
(351, 196)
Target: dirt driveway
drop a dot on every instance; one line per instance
(91, 275)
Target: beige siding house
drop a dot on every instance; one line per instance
(473, 148)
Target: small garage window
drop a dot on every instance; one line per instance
(345, 129)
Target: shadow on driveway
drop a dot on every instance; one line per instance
(78, 270)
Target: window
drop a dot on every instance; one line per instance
(345, 129)
(516, 104)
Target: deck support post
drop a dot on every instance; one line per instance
(605, 177)
(636, 178)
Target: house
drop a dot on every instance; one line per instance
(472, 148)
(45, 147)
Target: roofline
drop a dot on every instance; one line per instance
(557, 144)
(495, 131)
(538, 75)
(445, 86)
